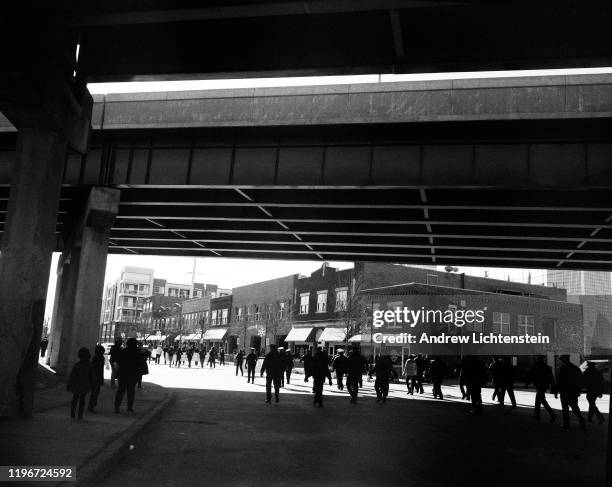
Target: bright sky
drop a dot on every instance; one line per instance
(230, 273)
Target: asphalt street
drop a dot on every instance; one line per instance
(220, 432)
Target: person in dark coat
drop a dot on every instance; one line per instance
(202, 354)
(274, 367)
(594, 383)
(307, 360)
(251, 362)
(569, 385)
(97, 377)
(541, 376)
(463, 384)
(354, 370)
(212, 355)
(44, 343)
(131, 366)
(113, 359)
(437, 372)
(496, 373)
(289, 366)
(239, 362)
(339, 365)
(420, 361)
(222, 357)
(474, 373)
(507, 382)
(189, 356)
(146, 355)
(283, 356)
(320, 371)
(382, 369)
(79, 382)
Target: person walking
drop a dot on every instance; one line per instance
(569, 385)
(145, 366)
(594, 383)
(437, 372)
(115, 351)
(320, 371)
(273, 365)
(251, 362)
(339, 365)
(541, 376)
(382, 369)
(420, 362)
(160, 352)
(189, 356)
(222, 357)
(97, 377)
(354, 373)
(463, 385)
(283, 356)
(212, 355)
(507, 382)
(44, 343)
(307, 360)
(170, 355)
(132, 364)
(239, 362)
(289, 366)
(79, 382)
(202, 355)
(410, 373)
(474, 373)
(496, 373)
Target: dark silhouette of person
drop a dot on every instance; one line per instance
(113, 359)
(420, 361)
(189, 356)
(320, 372)
(79, 382)
(339, 365)
(212, 355)
(437, 372)
(506, 382)
(146, 355)
(382, 369)
(410, 372)
(355, 364)
(474, 373)
(274, 366)
(222, 357)
(463, 384)
(594, 383)
(202, 354)
(97, 377)
(569, 385)
(283, 355)
(307, 360)
(44, 343)
(239, 362)
(496, 373)
(131, 366)
(251, 362)
(541, 376)
(289, 366)
(170, 356)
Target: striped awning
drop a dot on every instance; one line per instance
(215, 333)
(333, 335)
(299, 334)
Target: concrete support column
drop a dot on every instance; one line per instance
(27, 246)
(77, 313)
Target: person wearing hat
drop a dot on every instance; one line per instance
(251, 362)
(594, 383)
(274, 366)
(339, 365)
(569, 385)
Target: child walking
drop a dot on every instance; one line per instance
(79, 382)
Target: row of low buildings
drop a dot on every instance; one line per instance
(334, 308)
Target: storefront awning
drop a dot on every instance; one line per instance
(299, 334)
(215, 334)
(333, 335)
(157, 337)
(356, 339)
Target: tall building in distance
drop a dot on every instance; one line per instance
(594, 291)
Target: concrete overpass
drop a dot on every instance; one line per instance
(495, 172)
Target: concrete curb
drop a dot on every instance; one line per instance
(97, 466)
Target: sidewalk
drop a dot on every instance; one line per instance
(51, 437)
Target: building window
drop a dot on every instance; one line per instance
(257, 311)
(224, 313)
(322, 301)
(526, 324)
(238, 313)
(304, 300)
(213, 317)
(501, 323)
(341, 298)
(282, 310)
(432, 279)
